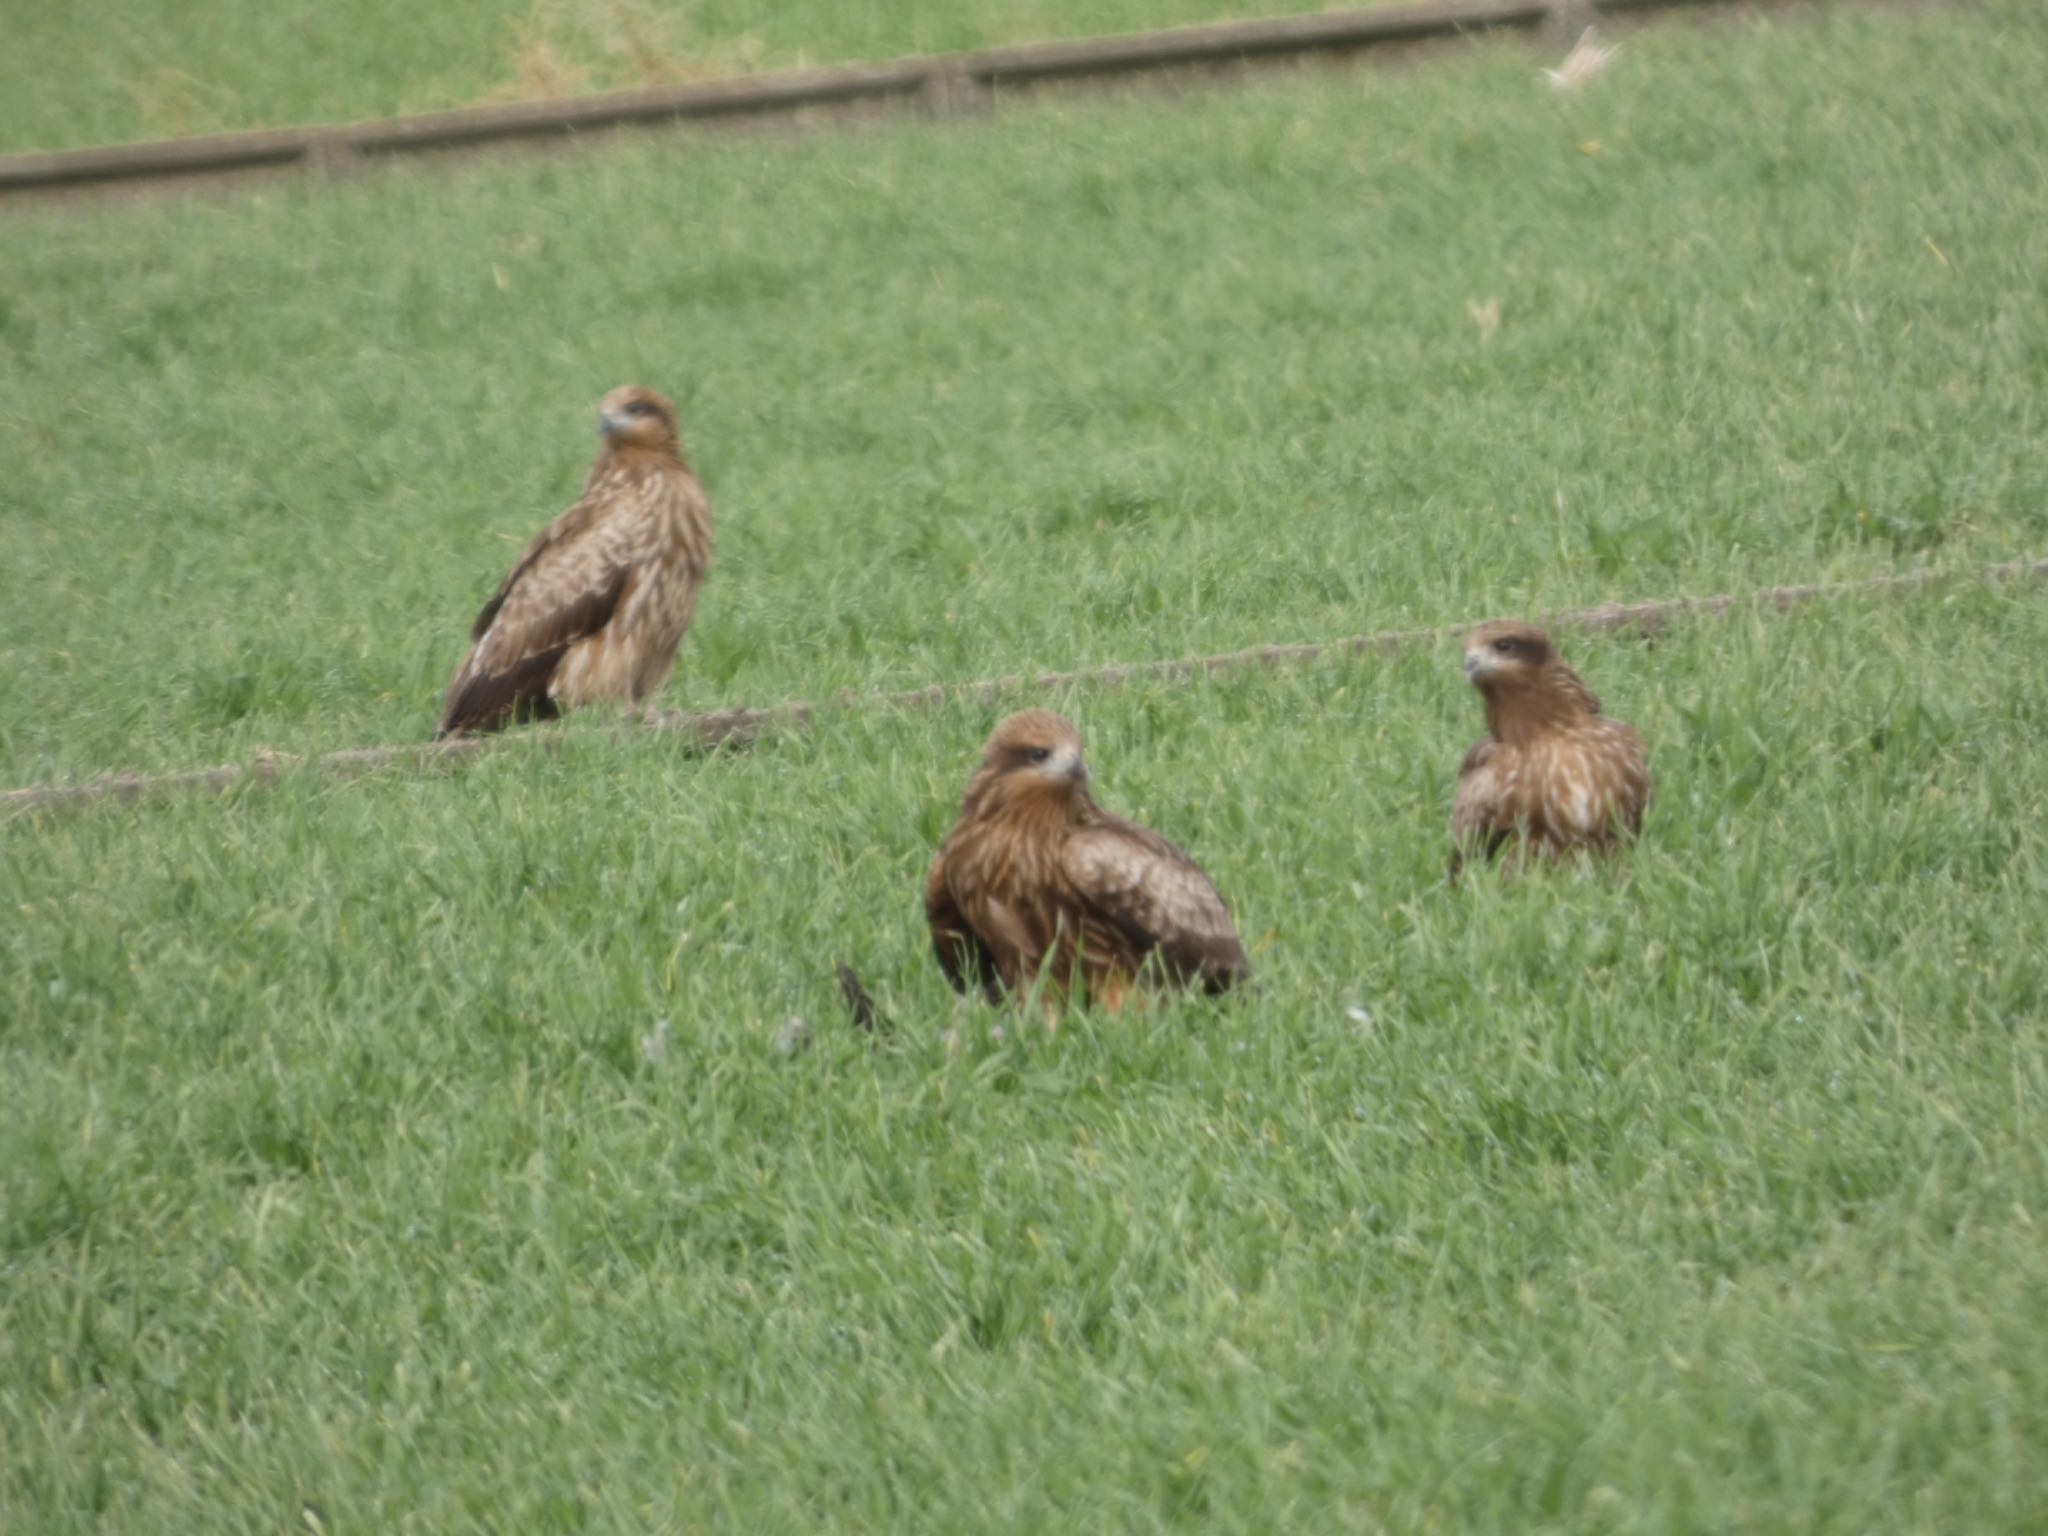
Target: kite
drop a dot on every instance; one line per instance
(1551, 771)
(597, 604)
(1037, 879)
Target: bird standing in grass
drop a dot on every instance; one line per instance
(597, 604)
(1551, 771)
(1036, 878)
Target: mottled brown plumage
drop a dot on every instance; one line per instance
(596, 605)
(1036, 878)
(1552, 773)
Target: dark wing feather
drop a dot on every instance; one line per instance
(1476, 827)
(489, 611)
(565, 586)
(566, 526)
(486, 696)
(1633, 769)
(488, 700)
(964, 955)
(1155, 899)
(1482, 753)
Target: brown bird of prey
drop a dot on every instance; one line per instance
(596, 605)
(1036, 878)
(1551, 771)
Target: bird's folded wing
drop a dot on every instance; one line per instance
(1154, 898)
(1478, 793)
(566, 526)
(566, 587)
(963, 954)
(1483, 752)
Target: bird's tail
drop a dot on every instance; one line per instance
(490, 701)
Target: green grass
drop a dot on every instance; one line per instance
(336, 1190)
(1081, 382)
(110, 71)
(1704, 1196)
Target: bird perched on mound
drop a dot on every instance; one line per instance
(596, 605)
(1551, 769)
(1036, 877)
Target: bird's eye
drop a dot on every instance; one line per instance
(1505, 647)
(637, 408)
(1037, 754)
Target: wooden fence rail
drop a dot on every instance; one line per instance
(702, 730)
(933, 80)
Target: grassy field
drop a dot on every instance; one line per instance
(1710, 1196)
(1077, 383)
(340, 1189)
(108, 71)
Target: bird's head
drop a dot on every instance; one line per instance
(1505, 655)
(1520, 674)
(633, 416)
(1033, 754)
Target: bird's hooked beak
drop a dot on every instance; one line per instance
(610, 423)
(1477, 665)
(1068, 764)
